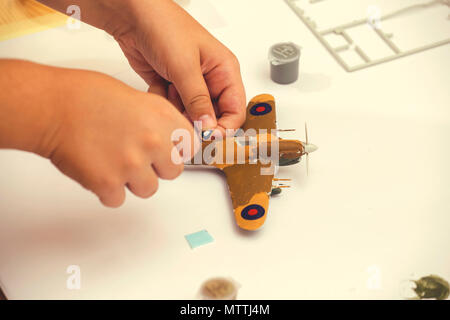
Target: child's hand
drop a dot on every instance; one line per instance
(174, 54)
(108, 136)
(182, 61)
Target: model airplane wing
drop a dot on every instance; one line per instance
(249, 191)
(261, 113)
(250, 184)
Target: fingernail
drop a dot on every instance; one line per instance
(207, 122)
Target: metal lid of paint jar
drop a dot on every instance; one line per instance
(284, 61)
(284, 52)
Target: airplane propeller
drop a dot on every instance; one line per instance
(309, 147)
(307, 154)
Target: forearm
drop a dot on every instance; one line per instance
(113, 16)
(28, 100)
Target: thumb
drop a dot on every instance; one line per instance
(194, 93)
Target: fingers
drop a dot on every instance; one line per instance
(112, 197)
(232, 108)
(226, 87)
(178, 130)
(143, 183)
(174, 98)
(167, 164)
(159, 86)
(194, 93)
(109, 190)
(135, 157)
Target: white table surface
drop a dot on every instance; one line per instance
(373, 212)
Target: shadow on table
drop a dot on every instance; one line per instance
(313, 82)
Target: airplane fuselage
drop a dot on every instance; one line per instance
(250, 149)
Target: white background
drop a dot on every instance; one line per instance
(374, 208)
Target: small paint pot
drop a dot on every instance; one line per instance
(219, 289)
(284, 62)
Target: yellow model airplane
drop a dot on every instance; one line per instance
(250, 177)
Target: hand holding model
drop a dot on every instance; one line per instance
(105, 134)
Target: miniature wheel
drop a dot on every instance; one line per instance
(275, 191)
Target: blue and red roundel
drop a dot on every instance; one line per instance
(260, 109)
(253, 212)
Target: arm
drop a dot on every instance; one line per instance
(104, 14)
(93, 128)
(27, 96)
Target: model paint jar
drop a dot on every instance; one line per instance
(219, 289)
(284, 61)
